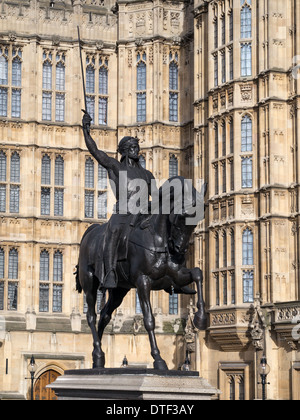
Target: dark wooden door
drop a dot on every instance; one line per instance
(40, 390)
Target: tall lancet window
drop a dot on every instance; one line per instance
(3, 81)
(10, 81)
(173, 166)
(90, 86)
(246, 34)
(47, 86)
(141, 87)
(103, 91)
(173, 88)
(60, 88)
(246, 19)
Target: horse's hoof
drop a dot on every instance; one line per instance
(98, 362)
(200, 322)
(160, 365)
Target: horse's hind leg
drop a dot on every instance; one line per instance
(91, 316)
(115, 299)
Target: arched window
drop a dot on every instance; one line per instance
(248, 247)
(216, 33)
(246, 33)
(173, 166)
(46, 180)
(90, 87)
(13, 264)
(46, 170)
(173, 88)
(247, 176)
(57, 278)
(59, 171)
(246, 19)
(60, 76)
(248, 286)
(89, 173)
(90, 79)
(44, 277)
(2, 262)
(47, 75)
(216, 69)
(58, 266)
(246, 59)
(173, 304)
(44, 266)
(246, 134)
(173, 73)
(141, 74)
(45, 201)
(3, 81)
(141, 87)
(47, 94)
(15, 167)
(103, 80)
(103, 90)
(3, 66)
(16, 83)
(14, 198)
(89, 183)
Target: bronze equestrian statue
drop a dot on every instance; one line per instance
(135, 250)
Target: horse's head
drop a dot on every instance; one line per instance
(186, 210)
(179, 234)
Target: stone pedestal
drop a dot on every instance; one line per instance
(132, 384)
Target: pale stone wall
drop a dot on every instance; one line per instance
(270, 208)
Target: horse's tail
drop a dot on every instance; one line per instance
(78, 285)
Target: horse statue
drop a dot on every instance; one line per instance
(155, 260)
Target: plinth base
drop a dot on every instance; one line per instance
(131, 384)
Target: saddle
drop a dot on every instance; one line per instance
(134, 222)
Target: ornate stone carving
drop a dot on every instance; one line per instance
(246, 92)
(190, 329)
(286, 324)
(257, 325)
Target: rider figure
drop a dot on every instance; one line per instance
(129, 164)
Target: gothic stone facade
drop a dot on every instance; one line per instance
(211, 90)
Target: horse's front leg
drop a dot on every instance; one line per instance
(143, 285)
(200, 319)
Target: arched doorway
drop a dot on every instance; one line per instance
(40, 392)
